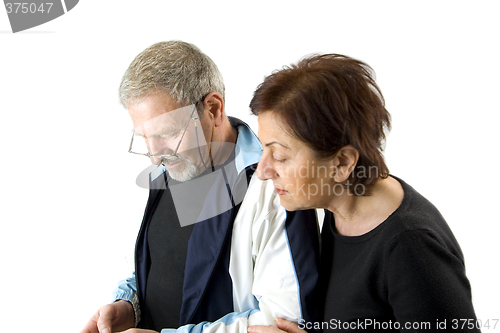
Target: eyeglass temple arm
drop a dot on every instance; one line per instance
(185, 128)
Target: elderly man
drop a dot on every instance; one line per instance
(216, 251)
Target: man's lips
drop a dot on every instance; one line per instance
(173, 165)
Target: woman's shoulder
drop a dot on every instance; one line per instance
(417, 219)
(415, 211)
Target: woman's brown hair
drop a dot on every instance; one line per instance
(330, 101)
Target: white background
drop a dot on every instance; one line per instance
(70, 209)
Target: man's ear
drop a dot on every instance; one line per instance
(214, 107)
(345, 160)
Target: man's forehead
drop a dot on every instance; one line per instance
(173, 119)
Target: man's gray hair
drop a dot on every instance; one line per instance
(175, 67)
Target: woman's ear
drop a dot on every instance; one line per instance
(345, 160)
(214, 107)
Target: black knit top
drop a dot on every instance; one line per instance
(407, 274)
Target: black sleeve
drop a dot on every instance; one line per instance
(427, 285)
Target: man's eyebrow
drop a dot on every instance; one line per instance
(165, 132)
(277, 143)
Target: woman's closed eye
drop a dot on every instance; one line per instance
(279, 159)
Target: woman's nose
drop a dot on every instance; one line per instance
(265, 170)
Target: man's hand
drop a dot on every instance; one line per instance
(114, 317)
(283, 326)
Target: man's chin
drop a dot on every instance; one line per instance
(182, 172)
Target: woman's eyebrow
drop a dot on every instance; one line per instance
(277, 143)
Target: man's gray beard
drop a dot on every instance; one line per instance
(188, 172)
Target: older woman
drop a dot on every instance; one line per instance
(390, 261)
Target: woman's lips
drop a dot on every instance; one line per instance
(280, 191)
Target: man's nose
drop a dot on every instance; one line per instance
(155, 160)
(157, 147)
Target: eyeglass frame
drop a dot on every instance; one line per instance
(169, 156)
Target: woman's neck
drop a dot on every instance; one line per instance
(357, 215)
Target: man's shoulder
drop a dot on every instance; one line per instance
(248, 146)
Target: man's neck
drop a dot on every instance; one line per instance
(228, 133)
(223, 143)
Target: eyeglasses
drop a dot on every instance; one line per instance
(169, 158)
